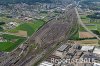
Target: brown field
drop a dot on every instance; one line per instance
(85, 35)
(21, 33)
(87, 42)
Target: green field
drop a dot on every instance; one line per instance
(92, 27)
(30, 27)
(75, 36)
(86, 20)
(10, 44)
(5, 19)
(10, 37)
(13, 41)
(81, 28)
(98, 27)
(4, 46)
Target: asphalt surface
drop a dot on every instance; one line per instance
(31, 59)
(84, 26)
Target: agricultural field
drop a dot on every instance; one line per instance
(82, 34)
(75, 37)
(5, 19)
(85, 35)
(81, 28)
(11, 43)
(13, 40)
(89, 42)
(92, 27)
(30, 27)
(92, 24)
(85, 19)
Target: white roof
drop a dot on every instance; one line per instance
(96, 64)
(13, 23)
(62, 48)
(45, 63)
(96, 50)
(86, 48)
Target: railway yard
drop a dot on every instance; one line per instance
(59, 38)
(56, 30)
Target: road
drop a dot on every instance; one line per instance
(31, 56)
(37, 55)
(84, 26)
(31, 59)
(22, 51)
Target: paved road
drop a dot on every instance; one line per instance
(41, 55)
(83, 25)
(30, 56)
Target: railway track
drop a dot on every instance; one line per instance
(32, 54)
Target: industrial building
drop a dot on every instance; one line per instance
(45, 63)
(75, 52)
(96, 64)
(96, 50)
(87, 48)
(60, 51)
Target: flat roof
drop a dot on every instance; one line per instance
(62, 48)
(45, 63)
(96, 64)
(96, 50)
(86, 48)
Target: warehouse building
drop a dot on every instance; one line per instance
(96, 64)
(60, 51)
(87, 48)
(45, 63)
(97, 51)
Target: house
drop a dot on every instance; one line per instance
(28, 18)
(2, 39)
(13, 24)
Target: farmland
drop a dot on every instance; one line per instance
(30, 27)
(91, 24)
(5, 19)
(12, 42)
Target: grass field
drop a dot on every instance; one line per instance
(98, 27)
(81, 28)
(92, 27)
(30, 27)
(10, 37)
(10, 45)
(5, 19)
(75, 37)
(13, 41)
(86, 20)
